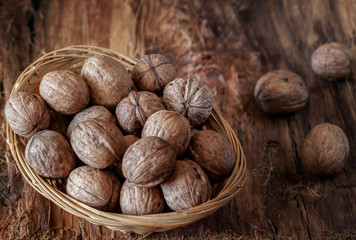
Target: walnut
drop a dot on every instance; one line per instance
(170, 126)
(152, 73)
(50, 155)
(140, 201)
(189, 97)
(64, 91)
(213, 153)
(98, 143)
(332, 61)
(148, 162)
(187, 187)
(133, 111)
(281, 91)
(108, 80)
(93, 187)
(93, 112)
(325, 149)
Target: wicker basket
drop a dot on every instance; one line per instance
(73, 58)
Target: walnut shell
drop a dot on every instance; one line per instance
(93, 112)
(332, 61)
(64, 91)
(281, 91)
(26, 113)
(189, 97)
(187, 187)
(133, 111)
(108, 80)
(325, 149)
(98, 143)
(213, 153)
(152, 73)
(50, 155)
(171, 127)
(148, 162)
(140, 201)
(93, 187)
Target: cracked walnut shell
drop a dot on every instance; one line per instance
(187, 187)
(50, 155)
(325, 149)
(27, 113)
(189, 97)
(133, 111)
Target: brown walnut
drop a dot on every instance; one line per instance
(281, 91)
(189, 97)
(171, 127)
(152, 73)
(93, 187)
(98, 143)
(148, 162)
(332, 61)
(133, 111)
(213, 153)
(50, 155)
(325, 149)
(93, 112)
(108, 80)
(140, 201)
(26, 113)
(187, 187)
(64, 91)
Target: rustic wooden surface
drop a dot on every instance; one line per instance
(229, 45)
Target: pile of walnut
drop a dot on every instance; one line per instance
(141, 151)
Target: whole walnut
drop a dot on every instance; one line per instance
(281, 91)
(108, 80)
(148, 162)
(171, 127)
(26, 113)
(187, 187)
(332, 61)
(93, 112)
(133, 111)
(213, 153)
(325, 149)
(50, 155)
(152, 73)
(189, 97)
(93, 187)
(140, 201)
(98, 143)
(64, 91)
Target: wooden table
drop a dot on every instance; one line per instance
(228, 45)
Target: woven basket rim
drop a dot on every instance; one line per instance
(72, 56)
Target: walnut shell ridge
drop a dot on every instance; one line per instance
(189, 97)
(50, 155)
(98, 143)
(152, 73)
(108, 80)
(64, 91)
(91, 186)
(325, 149)
(148, 162)
(170, 126)
(26, 114)
(187, 187)
(133, 111)
(93, 112)
(140, 201)
(281, 91)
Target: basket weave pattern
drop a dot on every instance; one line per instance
(72, 58)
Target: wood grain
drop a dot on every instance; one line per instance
(228, 45)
